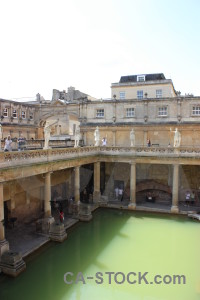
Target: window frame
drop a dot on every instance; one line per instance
(162, 115)
(100, 113)
(159, 93)
(23, 114)
(5, 112)
(140, 78)
(122, 95)
(14, 113)
(142, 94)
(197, 109)
(128, 112)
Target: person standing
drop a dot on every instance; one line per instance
(121, 194)
(148, 143)
(104, 141)
(8, 144)
(21, 143)
(116, 192)
(61, 216)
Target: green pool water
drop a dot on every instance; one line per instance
(114, 241)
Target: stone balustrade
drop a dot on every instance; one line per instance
(28, 157)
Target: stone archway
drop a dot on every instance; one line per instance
(162, 192)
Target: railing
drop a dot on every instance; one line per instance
(28, 157)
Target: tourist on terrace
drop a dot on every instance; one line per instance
(21, 143)
(104, 141)
(148, 143)
(8, 144)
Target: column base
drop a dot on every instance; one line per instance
(132, 206)
(96, 197)
(4, 246)
(43, 225)
(174, 209)
(12, 263)
(57, 232)
(85, 213)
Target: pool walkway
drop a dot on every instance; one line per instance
(24, 239)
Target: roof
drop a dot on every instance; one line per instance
(148, 77)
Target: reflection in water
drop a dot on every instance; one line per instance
(114, 241)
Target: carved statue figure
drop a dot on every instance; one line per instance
(132, 138)
(47, 133)
(177, 138)
(97, 136)
(77, 137)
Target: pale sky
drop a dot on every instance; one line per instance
(89, 44)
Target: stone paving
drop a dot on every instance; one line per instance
(23, 238)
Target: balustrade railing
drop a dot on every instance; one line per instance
(28, 157)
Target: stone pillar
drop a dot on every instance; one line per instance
(132, 204)
(174, 208)
(76, 205)
(77, 185)
(96, 195)
(47, 195)
(4, 245)
(71, 184)
(12, 196)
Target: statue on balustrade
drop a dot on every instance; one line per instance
(132, 138)
(97, 136)
(47, 134)
(177, 138)
(77, 137)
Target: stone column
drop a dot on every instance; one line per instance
(12, 196)
(96, 194)
(77, 185)
(174, 208)
(47, 195)
(71, 183)
(4, 245)
(132, 204)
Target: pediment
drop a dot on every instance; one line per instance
(57, 102)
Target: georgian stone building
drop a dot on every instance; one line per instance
(146, 104)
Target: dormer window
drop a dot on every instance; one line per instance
(140, 77)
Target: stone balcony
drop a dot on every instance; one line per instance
(31, 157)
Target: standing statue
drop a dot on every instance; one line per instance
(47, 133)
(77, 137)
(177, 138)
(132, 138)
(1, 135)
(96, 136)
